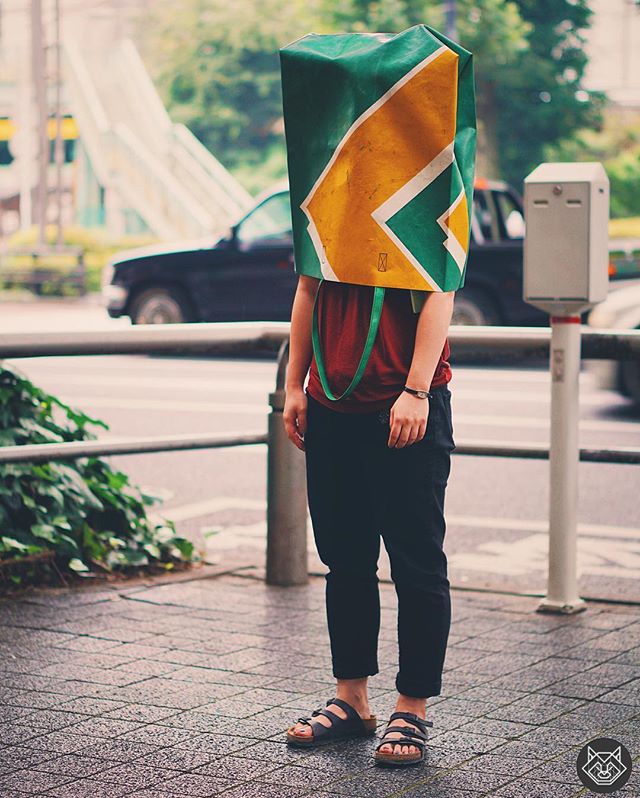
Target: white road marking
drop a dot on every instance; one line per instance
(619, 559)
(510, 375)
(265, 384)
(532, 525)
(232, 537)
(174, 405)
(84, 365)
(239, 408)
(478, 394)
(531, 422)
(198, 509)
(177, 383)
(208, 506)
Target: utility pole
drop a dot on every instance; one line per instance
(38, 81)
(59, 151)
(450, 15)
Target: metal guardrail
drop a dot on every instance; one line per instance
(40, 271)
(233, 337)
(286, 488)
(43, 452)
(240, 337)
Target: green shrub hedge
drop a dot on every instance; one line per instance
(97, 246)
(76, 517)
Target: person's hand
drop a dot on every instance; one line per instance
(295, 416)
(408, 420)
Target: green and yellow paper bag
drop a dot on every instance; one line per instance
(380, 131)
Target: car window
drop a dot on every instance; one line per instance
(269, 223)
(510, 216)
(485, 215)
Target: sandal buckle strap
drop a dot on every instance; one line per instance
(421, 723)
(408, 731)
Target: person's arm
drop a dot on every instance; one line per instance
(300, 354)
(409, 414)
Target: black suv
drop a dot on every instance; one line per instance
(248, 274)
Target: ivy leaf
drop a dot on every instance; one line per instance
(134, 557)
(78, 566)
(185, 547)
(153, 550)
(44, 531)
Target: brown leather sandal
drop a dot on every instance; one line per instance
(340, 729)
(411, 735)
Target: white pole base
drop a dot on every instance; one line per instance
(562, 608)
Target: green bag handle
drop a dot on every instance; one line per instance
(374, 321)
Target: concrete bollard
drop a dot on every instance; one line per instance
(286, 494)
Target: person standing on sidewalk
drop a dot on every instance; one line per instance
(378, 462)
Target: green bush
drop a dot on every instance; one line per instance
(95, 243)
(628, 227)
(624, 175)
(617, 147)
(78, 516)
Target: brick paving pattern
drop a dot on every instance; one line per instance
(185, 689)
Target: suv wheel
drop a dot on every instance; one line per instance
(475, 308)
(160, 306)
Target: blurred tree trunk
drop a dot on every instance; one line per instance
(488, 154)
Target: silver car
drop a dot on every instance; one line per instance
(619, 311)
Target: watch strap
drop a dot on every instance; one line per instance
(418, 393)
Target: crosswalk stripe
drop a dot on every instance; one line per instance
(264, 385)
(199, 509)
(240, 408)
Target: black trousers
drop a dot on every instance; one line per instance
(358, 489)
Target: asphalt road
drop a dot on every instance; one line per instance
(496, 507)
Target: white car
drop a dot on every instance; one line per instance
(619, 311)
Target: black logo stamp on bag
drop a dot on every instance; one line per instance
(604, 765)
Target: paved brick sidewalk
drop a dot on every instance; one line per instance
(185, 689)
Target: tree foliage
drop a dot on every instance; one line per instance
(617, 146)
(217, 66)
(542, 99)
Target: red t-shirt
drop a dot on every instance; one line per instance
(344, 310)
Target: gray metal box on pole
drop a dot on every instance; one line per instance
(566, 248)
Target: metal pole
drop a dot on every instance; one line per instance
(286, 495)
(23, 143)
(39, 84)
(58, 152)
(562, 587)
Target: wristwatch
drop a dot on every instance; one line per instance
(420, 394)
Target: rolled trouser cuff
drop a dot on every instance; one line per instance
(351, 672)
(416, 689)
